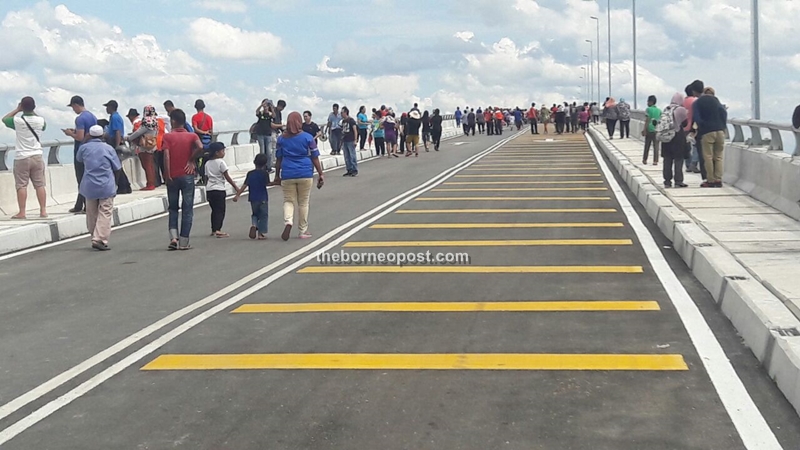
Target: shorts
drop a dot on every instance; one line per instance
(412, 139)
(29, 169)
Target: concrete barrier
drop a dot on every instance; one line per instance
(772, 177)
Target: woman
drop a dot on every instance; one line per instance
(363, 125)
(436, 129)
(595, 112)
(611, 116)
(561, 119)
(390, 133)
(144, 140)
(426, 129)
(544, 116)
(678, 148)
(297, 157)
(379, 134)
(481, 120)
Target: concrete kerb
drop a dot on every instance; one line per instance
(20, 238)
(766, 324)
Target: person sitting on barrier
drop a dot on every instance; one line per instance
(98, 185)
(28, 161)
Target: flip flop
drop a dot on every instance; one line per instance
(173, 245)
(18, 218)
(287, 230)
(222, 235)
(188, 247)
(253, 231)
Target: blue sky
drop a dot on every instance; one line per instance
(440, 53)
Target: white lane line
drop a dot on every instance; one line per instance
(348, 229)
(748, 420)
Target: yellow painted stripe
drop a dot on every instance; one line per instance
(471, 269)
(509, 199)
(424, 361)
(468, 183)
(435, 226)
(498, 211)
(488, 243)
(558, 175)
(544, 306)
(561, 189)
(502, 164)
(528, 169)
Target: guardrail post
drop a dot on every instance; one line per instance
(738, 133)
(776, 141)
(796, 142)
(235, 138)
(755, 135)
(3, 151)
(52, 155)
(214, 136)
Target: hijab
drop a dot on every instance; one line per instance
(611, 102)
(150, 120)
(680, 114)
(294, 125)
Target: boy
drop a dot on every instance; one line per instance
(257, 180)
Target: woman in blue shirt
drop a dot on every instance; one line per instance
(297, 157)
(363, 125)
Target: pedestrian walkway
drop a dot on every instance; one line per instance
(557, 333)
(764, 240)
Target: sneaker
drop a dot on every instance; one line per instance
(100, 246)
(347, 174)
(667, 184)
(305, 235)
(681, 185)
(718, 184)
(354, 174)
(287, 230)
(706, 184)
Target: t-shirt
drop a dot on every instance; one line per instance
(263, 123)
(363, 118)
(27, 145)
(215, 170)
(517, 116)
(296, 153)
(687, 103)
(349, 130)
(412, 127)
(202, 121)
(100, 161)
(115, 124)
(311, 128)
(257, 180)
(335, 120)
(458, 114)
(84, 121)
(377, 131)
(653, 116)
(278, 119)
(181, 145)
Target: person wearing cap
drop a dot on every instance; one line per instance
(98, 185)
(217, 172)
(28, 162)
(413, 125)
(80, 134)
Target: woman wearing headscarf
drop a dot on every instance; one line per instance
(611, 114)
(297, 157)
(144, 140)
(676, 150)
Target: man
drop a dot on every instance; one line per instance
(533, 118)
(349, 134)
(335, 130)
(277, 125)
(101, 166)
(653, 114)
(459, 114)
(480, 119)
(518, 118)
(498, 122)
(309, 126)
(114, 138)
(80, 134)
(471, 121)
(170, 106)
(413, 125)
(711, 119)
(181, 149)
(263, 129)
(693, 162)
(203, 123)
(488, 116)
(28, 162)
(465, 121)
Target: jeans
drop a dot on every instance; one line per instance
(695, 159)
(498, 127)
(265, 147)
(481, 127)
(181, 188)
(80, 201)
(260, 216)
(336, 140)
(713, 145)
(534, 126)
(465, 126)
(650, 138)
(350, 160)
(669, 163)
(611, 126)
(298, 190)
(362, 138)
(216, 200)
(624, 129)
(380, 146)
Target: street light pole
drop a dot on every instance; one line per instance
(588, 77)
(756, 83)
(597, 20)
(609, 48)
(591, 71)
(635, 70)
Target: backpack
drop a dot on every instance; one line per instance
(665, 128)
(148, 142)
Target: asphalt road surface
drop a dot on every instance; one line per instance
(558, 319)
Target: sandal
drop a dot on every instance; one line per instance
(287, 230)
(173, 245)
(188, 247)
(221, 235)
(18, 217)
(253, 231)
(262, 237)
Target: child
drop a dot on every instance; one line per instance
(257, 180)
(217, 173)
(584, 118)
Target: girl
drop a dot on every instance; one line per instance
(257, 180)
(217, 173)
(426, 129)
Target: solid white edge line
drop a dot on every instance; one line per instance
(357, 224)
(747, 419)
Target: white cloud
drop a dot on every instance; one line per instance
(228, 6)
(465, 36)
(221, 40)
(324, 67)
(14, 82)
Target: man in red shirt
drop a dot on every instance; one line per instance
(498, 122)
(181, 149)
(533, 118)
